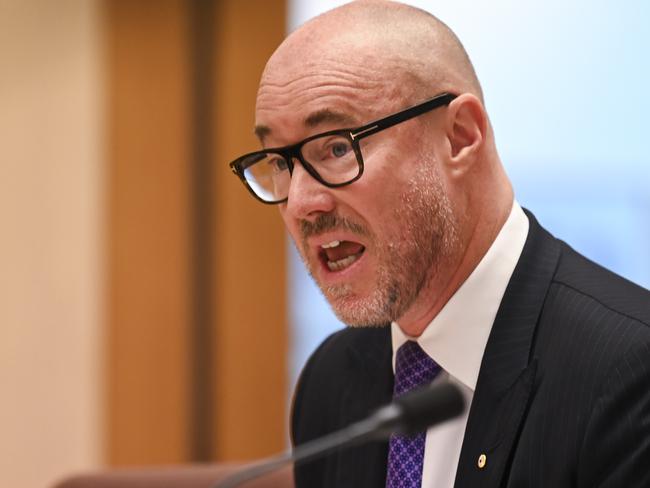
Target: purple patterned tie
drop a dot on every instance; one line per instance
(413, 368)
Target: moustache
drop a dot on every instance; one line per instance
(329, 221)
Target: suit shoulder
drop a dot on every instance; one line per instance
(334, 355)
(328, 370)
(609, 290)
(349, 339)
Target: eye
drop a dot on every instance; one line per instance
(340, 149)
(278, 164)
(327, 149)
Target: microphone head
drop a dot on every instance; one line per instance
(428, 406)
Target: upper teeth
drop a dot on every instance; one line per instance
(331, 244)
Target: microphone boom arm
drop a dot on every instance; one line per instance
(413, 412)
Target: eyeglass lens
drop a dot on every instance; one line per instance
(332, 157)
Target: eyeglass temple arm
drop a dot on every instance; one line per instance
(243, 164)
(409, 113)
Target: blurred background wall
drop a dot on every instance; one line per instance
(52, 287)
(142, 292)
(151, 311)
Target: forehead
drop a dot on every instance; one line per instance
(296, 100)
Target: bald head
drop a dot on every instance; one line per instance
(411, 50)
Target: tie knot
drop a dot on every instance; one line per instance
(413, 368)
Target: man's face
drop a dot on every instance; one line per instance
(374, 245)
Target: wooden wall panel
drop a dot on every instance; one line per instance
(249, 273)
(197, 366)
(149, 232)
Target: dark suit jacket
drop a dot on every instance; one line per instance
(563, 393)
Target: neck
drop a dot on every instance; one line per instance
(435, 295)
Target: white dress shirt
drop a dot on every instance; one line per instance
(456, 339)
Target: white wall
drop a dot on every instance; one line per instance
(50, 239)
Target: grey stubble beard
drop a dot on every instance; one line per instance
(407, 262)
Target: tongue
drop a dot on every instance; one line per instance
(343, 250)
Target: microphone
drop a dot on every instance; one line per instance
(406, 415)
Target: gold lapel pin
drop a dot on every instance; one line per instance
(482, 461)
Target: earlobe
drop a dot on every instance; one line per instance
(466, 131)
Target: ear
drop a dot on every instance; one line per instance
(466, 130)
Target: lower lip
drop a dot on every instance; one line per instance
(330, 276)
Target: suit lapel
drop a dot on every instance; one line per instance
(507, 374)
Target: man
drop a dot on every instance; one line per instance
(381, 157)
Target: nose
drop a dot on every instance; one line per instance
(308, 198)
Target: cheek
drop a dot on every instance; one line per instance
(390, 161)
(377, 198)
(387, 181)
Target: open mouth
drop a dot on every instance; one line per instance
(338, 255)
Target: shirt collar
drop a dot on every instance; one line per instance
(457, 336)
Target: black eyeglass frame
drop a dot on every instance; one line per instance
(353, 135)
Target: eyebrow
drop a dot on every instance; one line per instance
(261, 131)
(326, 116)
(320, 117)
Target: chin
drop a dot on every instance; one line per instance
(359, 313)
(357, 320)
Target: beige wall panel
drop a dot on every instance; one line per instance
(250, 311)
(150, 287)
(51, 221)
